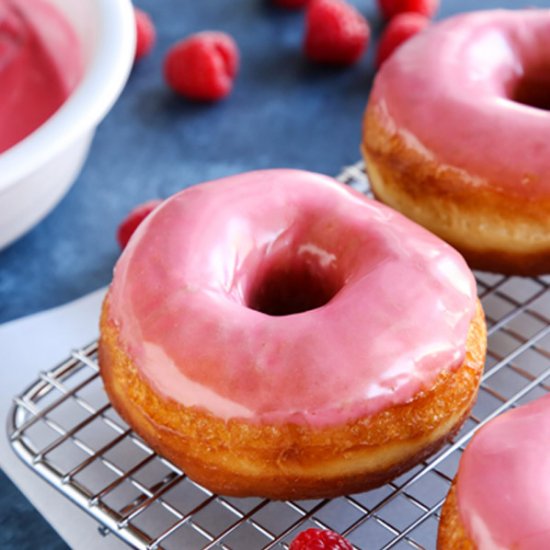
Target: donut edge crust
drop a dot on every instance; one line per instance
(452, 534)
(238, 458)
(493, 230)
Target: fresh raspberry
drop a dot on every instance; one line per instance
(399, 30)
(336, 32)
(320, 539)
(391, 8)
(145, 33)
(135, 217)
(202, 66)
(291, 4)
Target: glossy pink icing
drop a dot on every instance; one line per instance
(503, 483)
(40, 65)
(450, 93)
(181, 288)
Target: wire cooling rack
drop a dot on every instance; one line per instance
(64, 428)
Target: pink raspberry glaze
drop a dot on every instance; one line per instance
(181, 288)
(40, 65)
(503, 483)
(451, 90)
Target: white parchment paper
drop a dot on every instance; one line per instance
(27, 346)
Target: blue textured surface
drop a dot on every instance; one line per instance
(21, 527)
(284, 112)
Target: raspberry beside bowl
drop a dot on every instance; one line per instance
(38, 171)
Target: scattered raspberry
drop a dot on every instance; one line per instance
(145, 34)
(135, 217)
(320, 539)
(336, 32)
(202, 66)
(291, 4)
(399, 30)
(391, 8)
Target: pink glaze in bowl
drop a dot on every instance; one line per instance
(36, 172)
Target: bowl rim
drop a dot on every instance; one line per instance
(96, 93)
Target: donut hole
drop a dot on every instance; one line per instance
(295, 287)
(533, 89)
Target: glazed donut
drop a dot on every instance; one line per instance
(456, 136)
(501, 495)
(277, 334)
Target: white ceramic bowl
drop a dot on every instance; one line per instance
(38, 171)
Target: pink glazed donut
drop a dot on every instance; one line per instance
(456, 136)
(501, 495)
(278, 334)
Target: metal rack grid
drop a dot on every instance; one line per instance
(64, 428)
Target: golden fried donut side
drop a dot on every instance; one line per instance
(291, 461)
(451, 534)
(492, 229)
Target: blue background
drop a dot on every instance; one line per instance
(283, 112)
